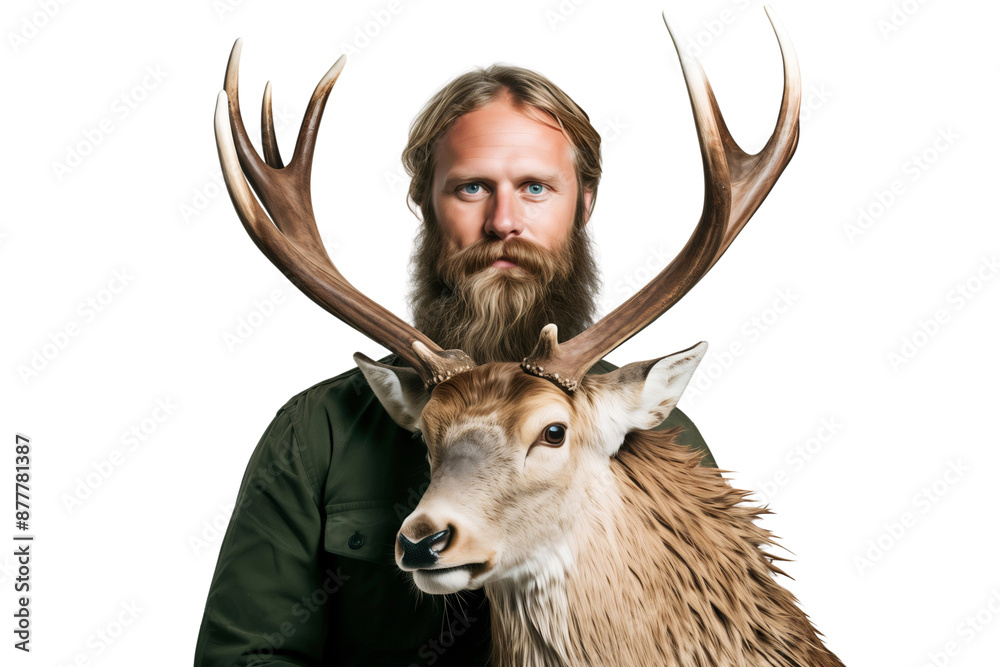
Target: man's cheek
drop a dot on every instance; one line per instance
(534, 211)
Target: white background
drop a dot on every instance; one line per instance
(882, 82)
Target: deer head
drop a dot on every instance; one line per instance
(513, 458)
(514, 449)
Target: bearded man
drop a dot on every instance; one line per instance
(505, 168)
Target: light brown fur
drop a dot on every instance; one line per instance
(669, 571)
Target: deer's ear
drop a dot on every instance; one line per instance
(399, 389)
(649, 390)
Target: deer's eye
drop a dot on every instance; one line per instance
(553, 435)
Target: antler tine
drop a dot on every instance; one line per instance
(251, 163)
(735, 185)
(268, 137)
(755, 175)
(292, 192)
(291, 241)
(306, 143)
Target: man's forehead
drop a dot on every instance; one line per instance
(502, 131)
(506, 108)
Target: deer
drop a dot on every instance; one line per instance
(597, 540)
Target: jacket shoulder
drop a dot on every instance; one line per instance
(349, 388)
(322, 414)
(358, 452)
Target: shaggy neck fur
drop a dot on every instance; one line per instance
(667, 571)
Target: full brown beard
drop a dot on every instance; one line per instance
(495, 314)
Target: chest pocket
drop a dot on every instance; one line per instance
(363, 531)
(376, 607)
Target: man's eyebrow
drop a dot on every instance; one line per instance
(457, 177)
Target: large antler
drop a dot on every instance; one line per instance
(735, 185)
(292, 241)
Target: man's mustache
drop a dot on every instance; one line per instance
(526, 255)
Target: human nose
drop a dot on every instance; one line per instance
(504, 219)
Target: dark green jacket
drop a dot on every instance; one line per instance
(306, 574)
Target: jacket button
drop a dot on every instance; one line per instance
(356, 541)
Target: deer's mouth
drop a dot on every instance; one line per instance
(443, 580)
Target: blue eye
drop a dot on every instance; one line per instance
(471, 188)
(536, 188)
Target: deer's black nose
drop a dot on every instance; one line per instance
(423, 554)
